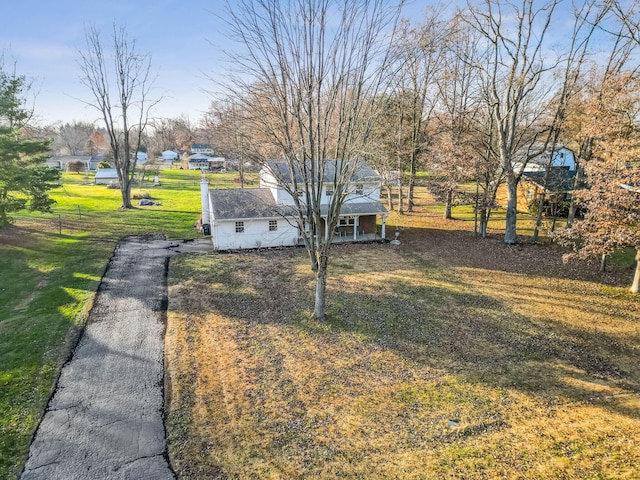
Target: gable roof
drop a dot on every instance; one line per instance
(245, 203)
(363, 171)
(199, 157)
(71, 158)
(106, 173)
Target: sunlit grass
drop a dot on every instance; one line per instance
(50, 267)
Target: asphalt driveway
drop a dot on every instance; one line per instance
(105, 419)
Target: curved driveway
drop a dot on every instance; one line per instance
(105, 419)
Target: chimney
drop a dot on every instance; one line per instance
(204, 196)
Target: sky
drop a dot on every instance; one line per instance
(185, 39)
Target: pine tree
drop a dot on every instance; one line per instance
(24, 180)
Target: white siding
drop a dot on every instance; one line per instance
(268, 180)
(371, 191)
(256, 234)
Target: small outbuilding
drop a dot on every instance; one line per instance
(105, 176)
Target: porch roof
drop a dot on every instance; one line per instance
(358, 208)
(558, 180)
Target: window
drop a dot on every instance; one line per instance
(329, 190)
(345, 221)
(359, 189)
(273, 225)
(239, 227)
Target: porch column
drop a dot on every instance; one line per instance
(355, 228)
(326, 229)
(384, 219)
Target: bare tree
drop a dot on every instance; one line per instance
(587, 18)
(459, 102)
(315, 68)
(515, 74)
(419, 54)
(227, 122)
(120, 92)
(73, 138)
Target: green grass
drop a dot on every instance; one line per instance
(49, 276)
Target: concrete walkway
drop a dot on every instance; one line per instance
(105, 419)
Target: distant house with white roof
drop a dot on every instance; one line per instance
(198, 161)
(204, 148)
(62, 162)
(104, 176)
(169, 155)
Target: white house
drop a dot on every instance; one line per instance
(560, 157)
(141, 158)
(168, 156)
(90, 162)
(265, 216)
(201, 148)
(104, 176)
(217, 163)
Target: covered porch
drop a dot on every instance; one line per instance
(358, 222)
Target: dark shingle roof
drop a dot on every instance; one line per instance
(239, 203)
(560, 179)
(358, 208)
(363, 173)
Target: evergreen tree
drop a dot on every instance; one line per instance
(24, 180)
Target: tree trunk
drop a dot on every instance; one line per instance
(536, 230)
(125, 190)
(321, 287)
(389, 197)
(448, 204)
(412, 183)
(483, 222)
(400, 199)
(603, 262)
(572, 206)
(635, 286)
(510, 236)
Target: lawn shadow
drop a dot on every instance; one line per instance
(460, 248)
(434, 319)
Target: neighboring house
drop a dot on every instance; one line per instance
(61, 162)
(201, 148)
(168, 156)
(217, 163)
(265, 216)
(105, 176)
(141, 158)
(557, 185)
(199, 161)
(560, 157)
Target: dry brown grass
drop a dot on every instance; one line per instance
(447, 357)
